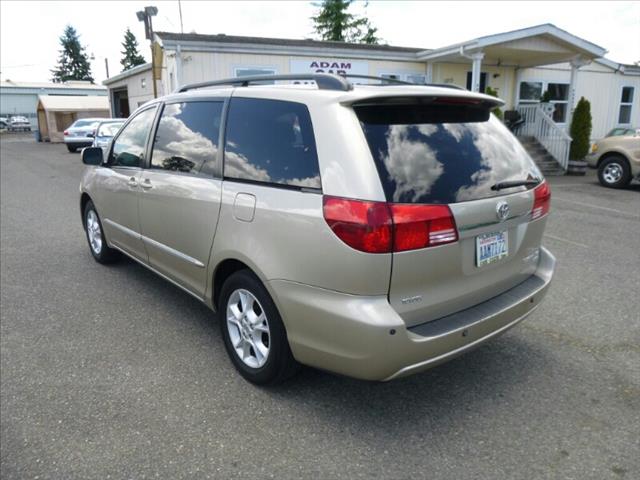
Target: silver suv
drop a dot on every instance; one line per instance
(373, 231)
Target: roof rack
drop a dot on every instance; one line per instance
(325, 81)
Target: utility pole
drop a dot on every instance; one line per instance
(145, 16)
(106, 65)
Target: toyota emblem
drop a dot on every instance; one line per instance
(502, 211)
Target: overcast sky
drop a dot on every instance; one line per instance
(29, 31)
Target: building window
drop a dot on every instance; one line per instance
(559, 93)
(390, 76)
(483, 81)
(626, 101)
(417, 78)
(531, 93)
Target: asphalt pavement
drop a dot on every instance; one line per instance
(110, 372)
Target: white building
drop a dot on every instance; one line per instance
(520, 65)
(21, 98)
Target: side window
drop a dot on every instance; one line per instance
(128, 148)
(270, 141)
(187, 137)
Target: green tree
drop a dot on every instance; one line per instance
(131, 56)
(494, 93)
(333, 22)
(580, 130)
(73, 63)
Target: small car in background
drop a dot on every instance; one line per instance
(105, 131)
(19, 124)
(80, 133)
(4, 122)
(617, 159)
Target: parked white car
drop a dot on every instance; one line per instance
(80, 133)
(19, 124)
(105, 131)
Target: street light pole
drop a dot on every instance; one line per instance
(145, 16)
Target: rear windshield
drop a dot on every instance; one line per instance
(84, 123)
(442, 154)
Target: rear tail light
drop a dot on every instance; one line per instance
(66, 132)
(365, 226)
(379, 227)
(421, 226)
(541, 201)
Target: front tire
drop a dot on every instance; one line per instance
(254, 335)
(614, 172)
(71, 148)
(95, 236)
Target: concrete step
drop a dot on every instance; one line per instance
(543, 159)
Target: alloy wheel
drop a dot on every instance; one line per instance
(248, 328)
(612, 173)
(93, 232)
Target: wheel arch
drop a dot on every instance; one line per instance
(610, 154)
(84, 199)
(227, 267)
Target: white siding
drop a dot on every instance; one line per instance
(598, 84)
(202, 66)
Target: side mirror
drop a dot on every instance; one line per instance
(91, 134)
(92, 156)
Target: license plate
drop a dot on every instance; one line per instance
(491, 247)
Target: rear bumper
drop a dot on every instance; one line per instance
(79, 141)
(363, 337)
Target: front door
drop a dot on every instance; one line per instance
(181, 190)
(120, 185)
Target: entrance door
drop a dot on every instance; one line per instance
(120, 185)
(121, 103)
(180, 197)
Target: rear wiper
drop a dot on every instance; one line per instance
(515, 183)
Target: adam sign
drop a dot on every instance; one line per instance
(327, 65)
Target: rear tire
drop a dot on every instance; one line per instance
(95, 236)
(254, 335)
(614, 172)
(71, 148)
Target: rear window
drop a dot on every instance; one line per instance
(272, 142)
(84, 123)
(442, 154)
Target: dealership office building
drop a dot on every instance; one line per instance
(520, 65)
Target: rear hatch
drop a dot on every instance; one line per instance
(452, 155)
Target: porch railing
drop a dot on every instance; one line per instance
(540, 125)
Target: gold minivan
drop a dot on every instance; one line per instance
(369, 230)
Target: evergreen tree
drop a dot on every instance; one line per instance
(73, 63)
(131, 56)
(334, 22)
(580, 130)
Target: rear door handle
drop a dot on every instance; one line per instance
(146, 183)
(132, 182)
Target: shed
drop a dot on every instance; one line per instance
(57, 112)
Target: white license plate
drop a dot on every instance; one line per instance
(491, 247)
